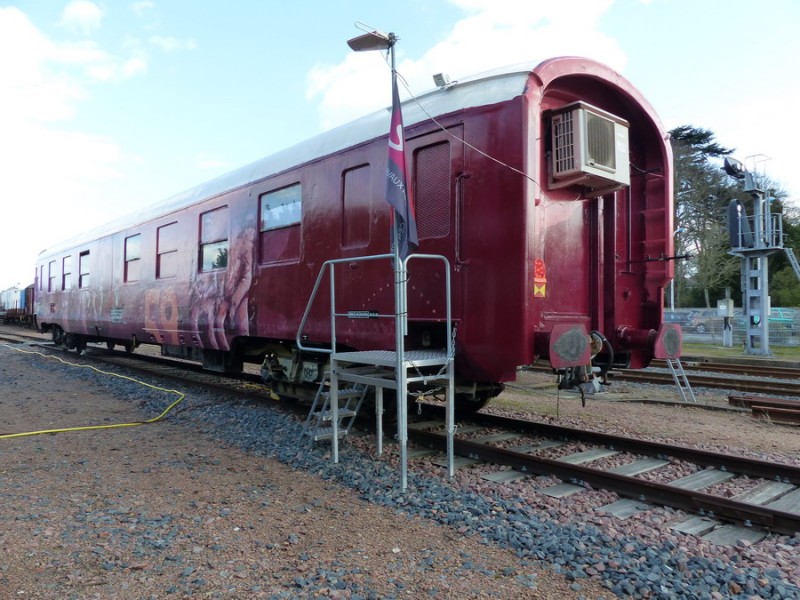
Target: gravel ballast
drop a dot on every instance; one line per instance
(488, 540)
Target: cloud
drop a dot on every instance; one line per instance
(143, 7)
(114, 68)
(170, 44)
(28, 87)
(491, 34)
(49, 189)
(82, 16)
(45, 164)
(206, 161)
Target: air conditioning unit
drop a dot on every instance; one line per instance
(589, 148)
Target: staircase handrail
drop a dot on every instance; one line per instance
(329, 264)
(328, 267)
(792, 260)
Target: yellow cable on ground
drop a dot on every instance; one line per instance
(180, 399)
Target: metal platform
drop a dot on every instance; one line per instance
(388, 369)
(388, 358)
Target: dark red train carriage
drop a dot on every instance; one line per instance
(549, 190)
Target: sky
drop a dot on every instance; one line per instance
(107, 106)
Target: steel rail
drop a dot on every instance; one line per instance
(787, 388)
(632, 487)
(726, 383)
(751, 369)
(735, 464)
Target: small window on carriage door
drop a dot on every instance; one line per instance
(214, 239)
(51, 276)
(167, 251)
(133, 254)
(83, 269)
(66, 273)
(356, 207)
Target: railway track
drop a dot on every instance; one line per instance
(721, 382)
(246, 384)
(775, 410)
(772, 505)
(752, 378)
(739, 368)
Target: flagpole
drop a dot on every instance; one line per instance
(401, 321)
(404, 231)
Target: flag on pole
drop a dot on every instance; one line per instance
(397, 194)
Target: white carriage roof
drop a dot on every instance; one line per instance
(480, 90)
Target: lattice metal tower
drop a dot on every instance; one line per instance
(753, 239)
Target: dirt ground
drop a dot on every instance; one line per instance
(167, 511)
(164, 511)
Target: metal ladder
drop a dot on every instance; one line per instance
(792, 260)
(680, 379)
(318, 424)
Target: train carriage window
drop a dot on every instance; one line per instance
(83, 269)
(133, 254)
(214, 239)
(356, 207)
(41, 278)
(66, 273)
(167, 251)
(279, 224)
(432, 183)
(51, 276)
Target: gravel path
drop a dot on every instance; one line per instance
(221, 501)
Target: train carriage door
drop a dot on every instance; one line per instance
(436, 162)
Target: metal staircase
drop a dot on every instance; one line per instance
(680, 379)
(381, 369)
(388, 369)
(319, 425)
(792, 260)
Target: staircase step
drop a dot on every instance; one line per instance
(345, 393)
(327, 415)
(326, 433)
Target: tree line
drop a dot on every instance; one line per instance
(702, 194)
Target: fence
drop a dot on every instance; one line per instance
(703, 326)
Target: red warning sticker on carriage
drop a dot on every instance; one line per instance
(539, 279)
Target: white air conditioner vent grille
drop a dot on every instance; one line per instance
(564, 142)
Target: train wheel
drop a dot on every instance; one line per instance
(69, 341)
(57, 335)
(110, 345)
(131, 345)
(469, 404)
